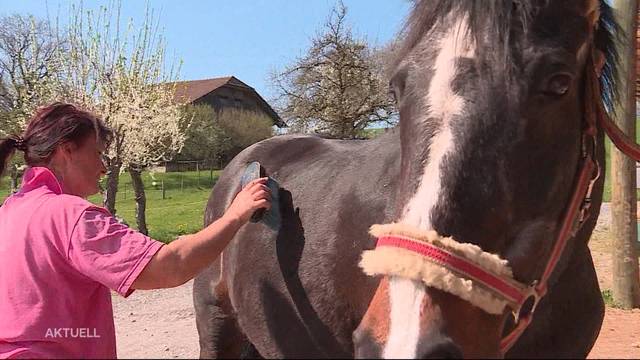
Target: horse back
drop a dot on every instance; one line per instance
(298, 292)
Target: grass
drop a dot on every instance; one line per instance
(607, 296)
(372, 132)
(181, 212)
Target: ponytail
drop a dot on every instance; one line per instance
(7, 149)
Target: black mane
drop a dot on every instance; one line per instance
(508, 17)
(608, 33)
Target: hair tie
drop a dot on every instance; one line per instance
(19, 143)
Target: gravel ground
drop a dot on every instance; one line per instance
(156, 324)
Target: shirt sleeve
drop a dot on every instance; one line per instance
(109, 252)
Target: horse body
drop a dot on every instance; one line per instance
(492, 100)
(298, 292)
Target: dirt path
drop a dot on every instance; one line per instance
(156, 324)
(161, 323)
(620, 334)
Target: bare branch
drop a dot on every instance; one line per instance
(337, 85)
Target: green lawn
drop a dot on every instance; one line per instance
(181, 212)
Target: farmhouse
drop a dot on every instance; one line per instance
(222, 93)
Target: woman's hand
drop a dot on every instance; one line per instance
(181, 260)
(255, 195)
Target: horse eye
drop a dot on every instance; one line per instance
(557, 85)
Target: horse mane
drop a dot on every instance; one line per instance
(507, 17)
(608, 33)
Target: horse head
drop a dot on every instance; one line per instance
(492, 105)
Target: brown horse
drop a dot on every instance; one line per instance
(492, 107)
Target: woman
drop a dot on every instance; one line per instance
(60, 254)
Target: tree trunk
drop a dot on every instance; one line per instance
(626, 281)
(109, 200)
(14, 178)
(141, 199)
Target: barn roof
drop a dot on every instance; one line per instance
(189, 91)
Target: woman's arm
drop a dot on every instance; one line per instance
(181, 260)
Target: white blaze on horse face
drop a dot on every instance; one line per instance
(406, 301)
(444, 104)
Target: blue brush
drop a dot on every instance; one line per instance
(270, 218)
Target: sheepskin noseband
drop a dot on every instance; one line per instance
(464, 270)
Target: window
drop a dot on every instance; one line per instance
(224, 100)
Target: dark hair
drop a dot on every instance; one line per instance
(51, 126)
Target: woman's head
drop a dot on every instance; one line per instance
(65, 139)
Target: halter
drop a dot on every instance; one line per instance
(482, 278)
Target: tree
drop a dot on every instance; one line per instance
(28, 64)
(206, 138)
(626, 281)
(338, 87)
(28, 67)
(120, 76)
(219, 136)
(243, 128)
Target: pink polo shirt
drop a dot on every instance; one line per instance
(59, 256)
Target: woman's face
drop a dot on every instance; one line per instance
(79, 168)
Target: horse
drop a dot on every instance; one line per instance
(492, 99)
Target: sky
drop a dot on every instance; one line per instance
(248, 39)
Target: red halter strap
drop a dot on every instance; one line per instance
(579, 205)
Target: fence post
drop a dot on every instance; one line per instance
(163, 193)
(198, 171)
(182, 182)
(626, 287)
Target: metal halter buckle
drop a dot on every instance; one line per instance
(586, 203)
(530, 293)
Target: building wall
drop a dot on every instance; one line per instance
(231, 97)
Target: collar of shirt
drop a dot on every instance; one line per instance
(36, 177)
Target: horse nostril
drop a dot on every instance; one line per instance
(441, 348)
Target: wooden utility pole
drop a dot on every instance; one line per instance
(626, 281)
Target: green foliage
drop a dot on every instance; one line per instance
(607, 296)
(371, 133)
(206, 139)
(244, 128)
(216, 136)
(9, 123)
